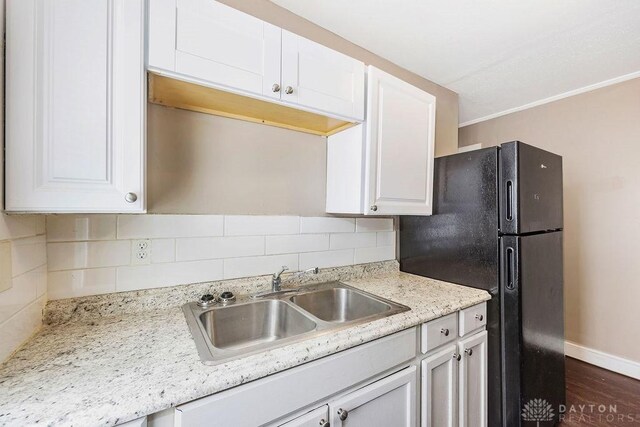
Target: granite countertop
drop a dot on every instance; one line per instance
(104, 370)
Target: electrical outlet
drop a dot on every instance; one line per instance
(141, 252)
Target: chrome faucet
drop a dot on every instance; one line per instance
(276, 281)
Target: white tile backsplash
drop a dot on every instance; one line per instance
(159, 226)
(364, 255)
(27, 253)
(25, 267)
(297, 243)
(17, 226)
(326, 259)
(78, 255)
(259, 265)
(67, 228)
(24, 290)
(353, 240)
(20, 327)
(196, 248)
(386, 238)
(250, 225)
(327, 225)
(163, 250)
(374, 224)
(80, 283)
(170, 274)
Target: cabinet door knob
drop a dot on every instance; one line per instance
(288, 90)
(469, 351)
(445, 332)
(275, 87)
(324, 423)
(343, 414)
(480, 317)
(131, 197)
(374, 208)
(457, 356)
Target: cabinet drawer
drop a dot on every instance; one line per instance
(473, 318)
(438, 332)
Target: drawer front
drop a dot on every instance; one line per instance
(439, 332)
(473, 318)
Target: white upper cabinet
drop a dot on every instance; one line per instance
(385, 166)
(213, 44)
(400, 136)
(209, 41)
(75, 106)
(320, 78)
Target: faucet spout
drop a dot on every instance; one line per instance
(276, 281)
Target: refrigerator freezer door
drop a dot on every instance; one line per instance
(530, 189)
(532, 327)
(459, 243)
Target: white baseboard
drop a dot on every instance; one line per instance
(604, 360)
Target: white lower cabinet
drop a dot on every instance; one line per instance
(318, 417)
(139, 422)
(387, 402)
(453, 390)
(440, 388)
(372, 385)
(472, 403)
(278, 399)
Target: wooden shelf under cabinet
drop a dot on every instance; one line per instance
(193, 97)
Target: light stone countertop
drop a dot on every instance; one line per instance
(104, 370)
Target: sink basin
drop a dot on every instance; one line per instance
(252, 324)
(339, 304)
(255, 324)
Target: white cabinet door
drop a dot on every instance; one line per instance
(320, 78)
(215, 43)
(400, 143)
(472, 402)
(387, 402)
(319, 417)
(75, 99)
(439, 388)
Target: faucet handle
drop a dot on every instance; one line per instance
(282, 270)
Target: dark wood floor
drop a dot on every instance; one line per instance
(591, 386)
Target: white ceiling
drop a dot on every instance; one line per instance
(498, 55)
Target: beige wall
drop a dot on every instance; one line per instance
(198, 163)
(207, 164)
(598, 135)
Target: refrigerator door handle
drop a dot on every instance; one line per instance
(509, 201)
(510, 266)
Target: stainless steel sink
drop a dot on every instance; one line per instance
(252, 325)
(340, 304)
(260, 322)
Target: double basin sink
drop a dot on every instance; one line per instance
(251, 325)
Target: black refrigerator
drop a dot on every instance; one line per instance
(497, 225)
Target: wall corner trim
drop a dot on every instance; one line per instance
(604, 360)
(558, 97)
